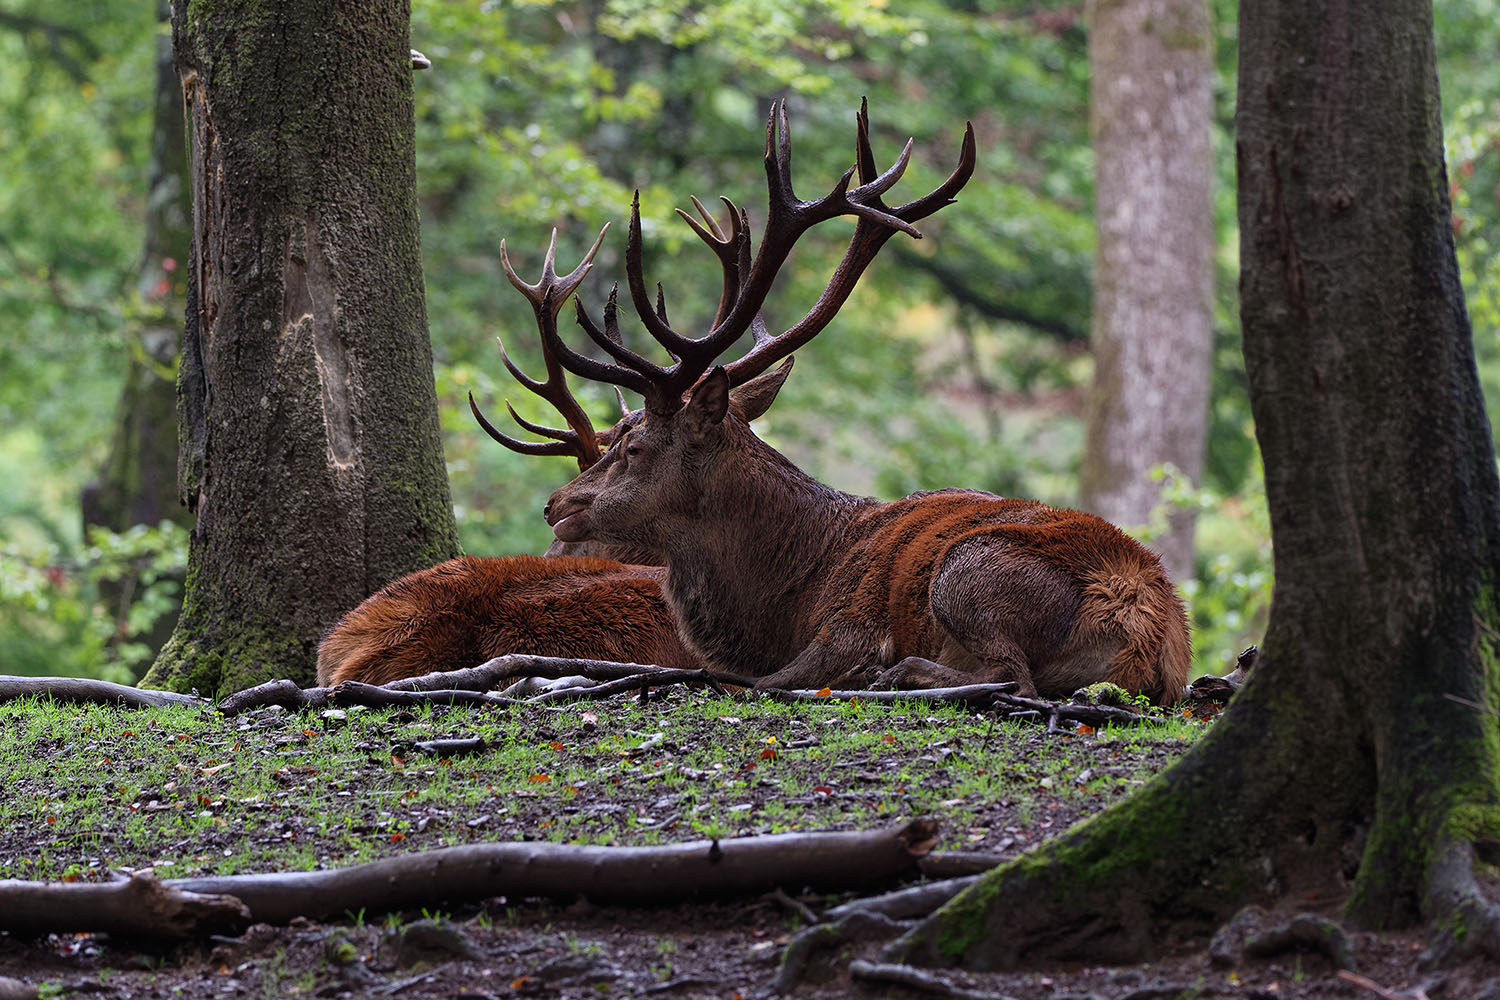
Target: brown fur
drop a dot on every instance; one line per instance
(773, 574)
(467, 610)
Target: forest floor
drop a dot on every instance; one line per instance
(93, 790)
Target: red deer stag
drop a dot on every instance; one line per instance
(773, 574)
(466, 610)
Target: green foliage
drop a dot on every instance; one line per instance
(83, 612)
(959, 361)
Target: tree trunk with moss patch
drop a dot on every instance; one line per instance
(1361, 763)
(310, 448)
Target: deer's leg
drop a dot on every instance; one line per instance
(1007, 615)
(840, 663)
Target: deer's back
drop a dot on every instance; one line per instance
(899, 548)
(467, 610)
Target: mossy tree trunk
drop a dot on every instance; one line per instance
(1362, 762)
(1150, 106)
(310, 448)
(138, 482)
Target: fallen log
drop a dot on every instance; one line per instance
(635, 875)
(140, 906)
(83, 690)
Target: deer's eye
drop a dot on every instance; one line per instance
(633, 450)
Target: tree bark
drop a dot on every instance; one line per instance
(1359, 762)
(138, 482)
(310, 448)
(1151, 105)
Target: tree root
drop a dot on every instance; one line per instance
(636, 875)
(819, 937)
(905, 904)
(85, 691)
(1464, 921)
(916, 979)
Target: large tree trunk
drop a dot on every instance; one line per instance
(1150, 106)
(1360, 762)
(138, 483)
(310, 447)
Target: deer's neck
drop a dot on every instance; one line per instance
(743, 577)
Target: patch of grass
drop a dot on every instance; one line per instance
(187, 791)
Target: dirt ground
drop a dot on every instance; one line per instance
(723, 950)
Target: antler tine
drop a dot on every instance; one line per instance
(870, 234)
(733, 252)
(524, 447)
(547, 297)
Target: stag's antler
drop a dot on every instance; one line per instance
(747, 283)
(547, 297)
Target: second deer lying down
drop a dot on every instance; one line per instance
(773, 574)
(467, 610)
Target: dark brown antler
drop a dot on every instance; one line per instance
(547, 297)
(869, 236)
(747, 283)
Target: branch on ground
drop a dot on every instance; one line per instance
(633, 875)
(140, 906)
(82, 690)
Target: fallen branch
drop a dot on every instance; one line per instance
(289, 696)
(1375, 988)
(140, 906)
(652, 677)
(473, 684)
(84, 691)
(636, 875)
(492, 673)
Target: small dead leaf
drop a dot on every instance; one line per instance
(556, 745)
(1085, 730)
(822, 790)
(769, 753)
(539, 778)
(395, 837)
(825, 693)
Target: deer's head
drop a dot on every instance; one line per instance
(693, 430)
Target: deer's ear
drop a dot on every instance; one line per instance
(710, 401)
(755, 397)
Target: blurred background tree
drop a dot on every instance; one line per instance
(962, 360)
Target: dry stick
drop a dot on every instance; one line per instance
(1376, 988)
(512, 665)
(81, 690)
(440, 686)
(649, 678)
(140, 906)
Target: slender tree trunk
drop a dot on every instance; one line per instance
(138, 483)
(1360, 763)
(1151, 104)
(310, 447)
